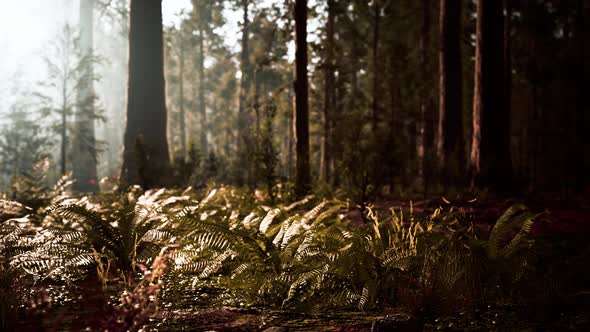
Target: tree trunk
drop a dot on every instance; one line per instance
(145, 158)
(329, 78)
(244, 89)
(450, 143)
(84, 158)
(182, 115)
(64, 128)
(426, 101)
(376, 77)
(301, 114)
(579, 175)
(490, 159)
(202, 105)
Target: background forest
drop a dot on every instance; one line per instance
(399, 97)
(290, 165)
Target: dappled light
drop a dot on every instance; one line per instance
(294, 165)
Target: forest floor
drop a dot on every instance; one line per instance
(570, 219)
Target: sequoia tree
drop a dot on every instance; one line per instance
(451, 146)
(145, 157)
(490, 159)
(301, 109)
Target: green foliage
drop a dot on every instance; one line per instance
(230, 247)
(267, 155)
(22, 144)
(33, 190)
(128, 231)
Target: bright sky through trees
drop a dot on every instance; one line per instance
(27, 26)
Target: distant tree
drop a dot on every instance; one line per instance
(145, 159)
(205, 18)
(451, 145)
(58, 94)
(301, 111)
(329, 93)
(23, 141)
(490, 159)
(224, 88)
(177, 76)
(84, 159)
(111, 32)
(426, 103)
(245, 70)
(377, 8)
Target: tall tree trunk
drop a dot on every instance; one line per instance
(182, 115)
(290, 144)
(329, 101)
(84, 145)
(450, 142)
(64, 128)
(301, 114)
(145, 158)
(244, 90)
(508, 55)
(580, 177)
(202, 83)
(490, 159)
(426, 100)
(376, 76)
(394, 123)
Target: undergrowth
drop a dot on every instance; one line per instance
(229, 245)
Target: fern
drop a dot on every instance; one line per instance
(127, 234)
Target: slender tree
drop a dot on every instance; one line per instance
(244, 88)
(376, 74)
(201, 98)
(426, 103)
(145, 158)
(301, 111)
(182, 113)
(329, 94)
(450, 142)
(490, 159)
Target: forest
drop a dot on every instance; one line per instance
(294, 165)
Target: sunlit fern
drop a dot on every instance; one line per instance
(256, 251)
(128, 231)
(281, 257)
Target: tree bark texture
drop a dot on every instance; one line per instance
(146, 159)
(301, 111)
